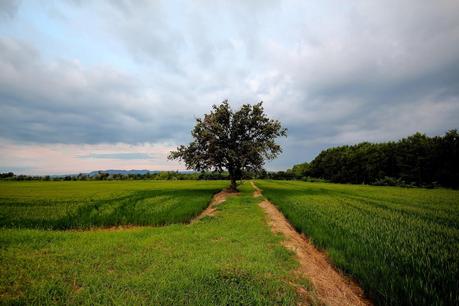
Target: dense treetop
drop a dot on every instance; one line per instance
(417, 159)
(236, 141)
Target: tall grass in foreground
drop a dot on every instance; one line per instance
(402, 245)
(64, 205)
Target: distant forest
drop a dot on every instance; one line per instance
(417, 160)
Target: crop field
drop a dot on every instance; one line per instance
(402, 245)
(83, 204)
(59, 243)
(228, 259)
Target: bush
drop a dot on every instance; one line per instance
(390, 181)
(313, 179)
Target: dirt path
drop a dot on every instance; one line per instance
(331, 287)
(216, 200)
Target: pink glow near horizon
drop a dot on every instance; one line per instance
(42, 159)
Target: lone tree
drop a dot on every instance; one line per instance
(238, 141)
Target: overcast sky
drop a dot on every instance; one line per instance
(88, 85)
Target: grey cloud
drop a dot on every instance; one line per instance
(331, 74)
(8, 8)
(66, 103)
(385, 78)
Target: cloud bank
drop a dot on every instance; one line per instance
(80, 75)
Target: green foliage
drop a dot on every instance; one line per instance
(103, 176)
(62, 205)
(300, 170)
(230, 259)
(400, 244)
(418, 159)
(238, 141)
(6, 175)
(391, 181)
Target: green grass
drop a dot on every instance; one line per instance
(401, 244)
(230, 259)
(63, 205)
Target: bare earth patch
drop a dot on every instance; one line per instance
(216, 200)
(331, 287)
(257, 192)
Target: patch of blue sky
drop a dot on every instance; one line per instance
(66, 34)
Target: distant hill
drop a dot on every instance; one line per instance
(123, 172)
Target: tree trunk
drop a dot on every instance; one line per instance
(232, 176)
(233, 186)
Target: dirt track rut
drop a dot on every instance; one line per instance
(331, 286)
(216, 200)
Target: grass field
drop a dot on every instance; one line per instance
(83, 204)
(401, 244)
(232, 258)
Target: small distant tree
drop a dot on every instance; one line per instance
(7, 175)
(235, 141)
(299, 170)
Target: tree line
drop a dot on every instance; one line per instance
(104, 176)
(163, 175)
(417, 160)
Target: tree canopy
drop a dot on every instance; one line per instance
(236, 141)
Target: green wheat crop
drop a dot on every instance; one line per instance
(401, 244)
